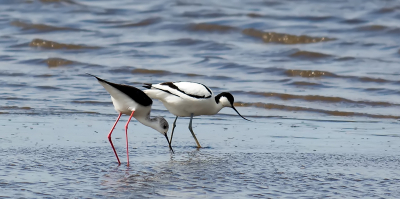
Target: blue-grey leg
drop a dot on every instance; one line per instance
(173, 128)
(191, 130)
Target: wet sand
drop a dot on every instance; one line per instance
(69, 156)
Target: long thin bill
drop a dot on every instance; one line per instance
(239, 113)
(170, 147)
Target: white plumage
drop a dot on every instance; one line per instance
(123, 104)
(188, 99)
(192, 88)
(131, 101)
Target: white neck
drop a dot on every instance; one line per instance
(217, 107)
(148, 121)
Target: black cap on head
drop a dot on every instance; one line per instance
(227, 95)
(230, 99)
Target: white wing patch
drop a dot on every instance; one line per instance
(185, 89)
(121, 101)
(195, 89)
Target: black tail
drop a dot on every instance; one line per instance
(98, 78)
(147, 86)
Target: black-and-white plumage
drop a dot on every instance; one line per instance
(190, 89)
(131, 101)
(188, 99)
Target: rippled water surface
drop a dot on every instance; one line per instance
(319, 79)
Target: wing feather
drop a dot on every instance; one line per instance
(185, 89)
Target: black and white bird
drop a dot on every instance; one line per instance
(131, 101)
(189, 99)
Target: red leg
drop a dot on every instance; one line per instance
(109, 137)
(126, 131)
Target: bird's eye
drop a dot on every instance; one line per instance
(165, 126)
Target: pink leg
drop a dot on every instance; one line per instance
(126, 131)
(109, 137)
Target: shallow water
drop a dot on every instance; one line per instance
(319, 79)
(70, 157)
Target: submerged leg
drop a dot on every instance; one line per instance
(173, 128)
(109, 137)
(191, 130)
(126, 132)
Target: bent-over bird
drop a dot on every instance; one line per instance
(131, 101)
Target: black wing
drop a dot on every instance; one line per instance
(136, 94)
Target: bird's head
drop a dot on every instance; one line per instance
(163, 127)
(226, 100)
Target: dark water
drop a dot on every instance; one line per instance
(320, 80)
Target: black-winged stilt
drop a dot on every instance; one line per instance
(131, 101)
(188, 99)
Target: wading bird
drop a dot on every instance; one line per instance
(131, 101)
(188, 99)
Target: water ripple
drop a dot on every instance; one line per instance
(41, 43)
(41, 27)
(211, 27)
(314, 110)
(273, 37)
